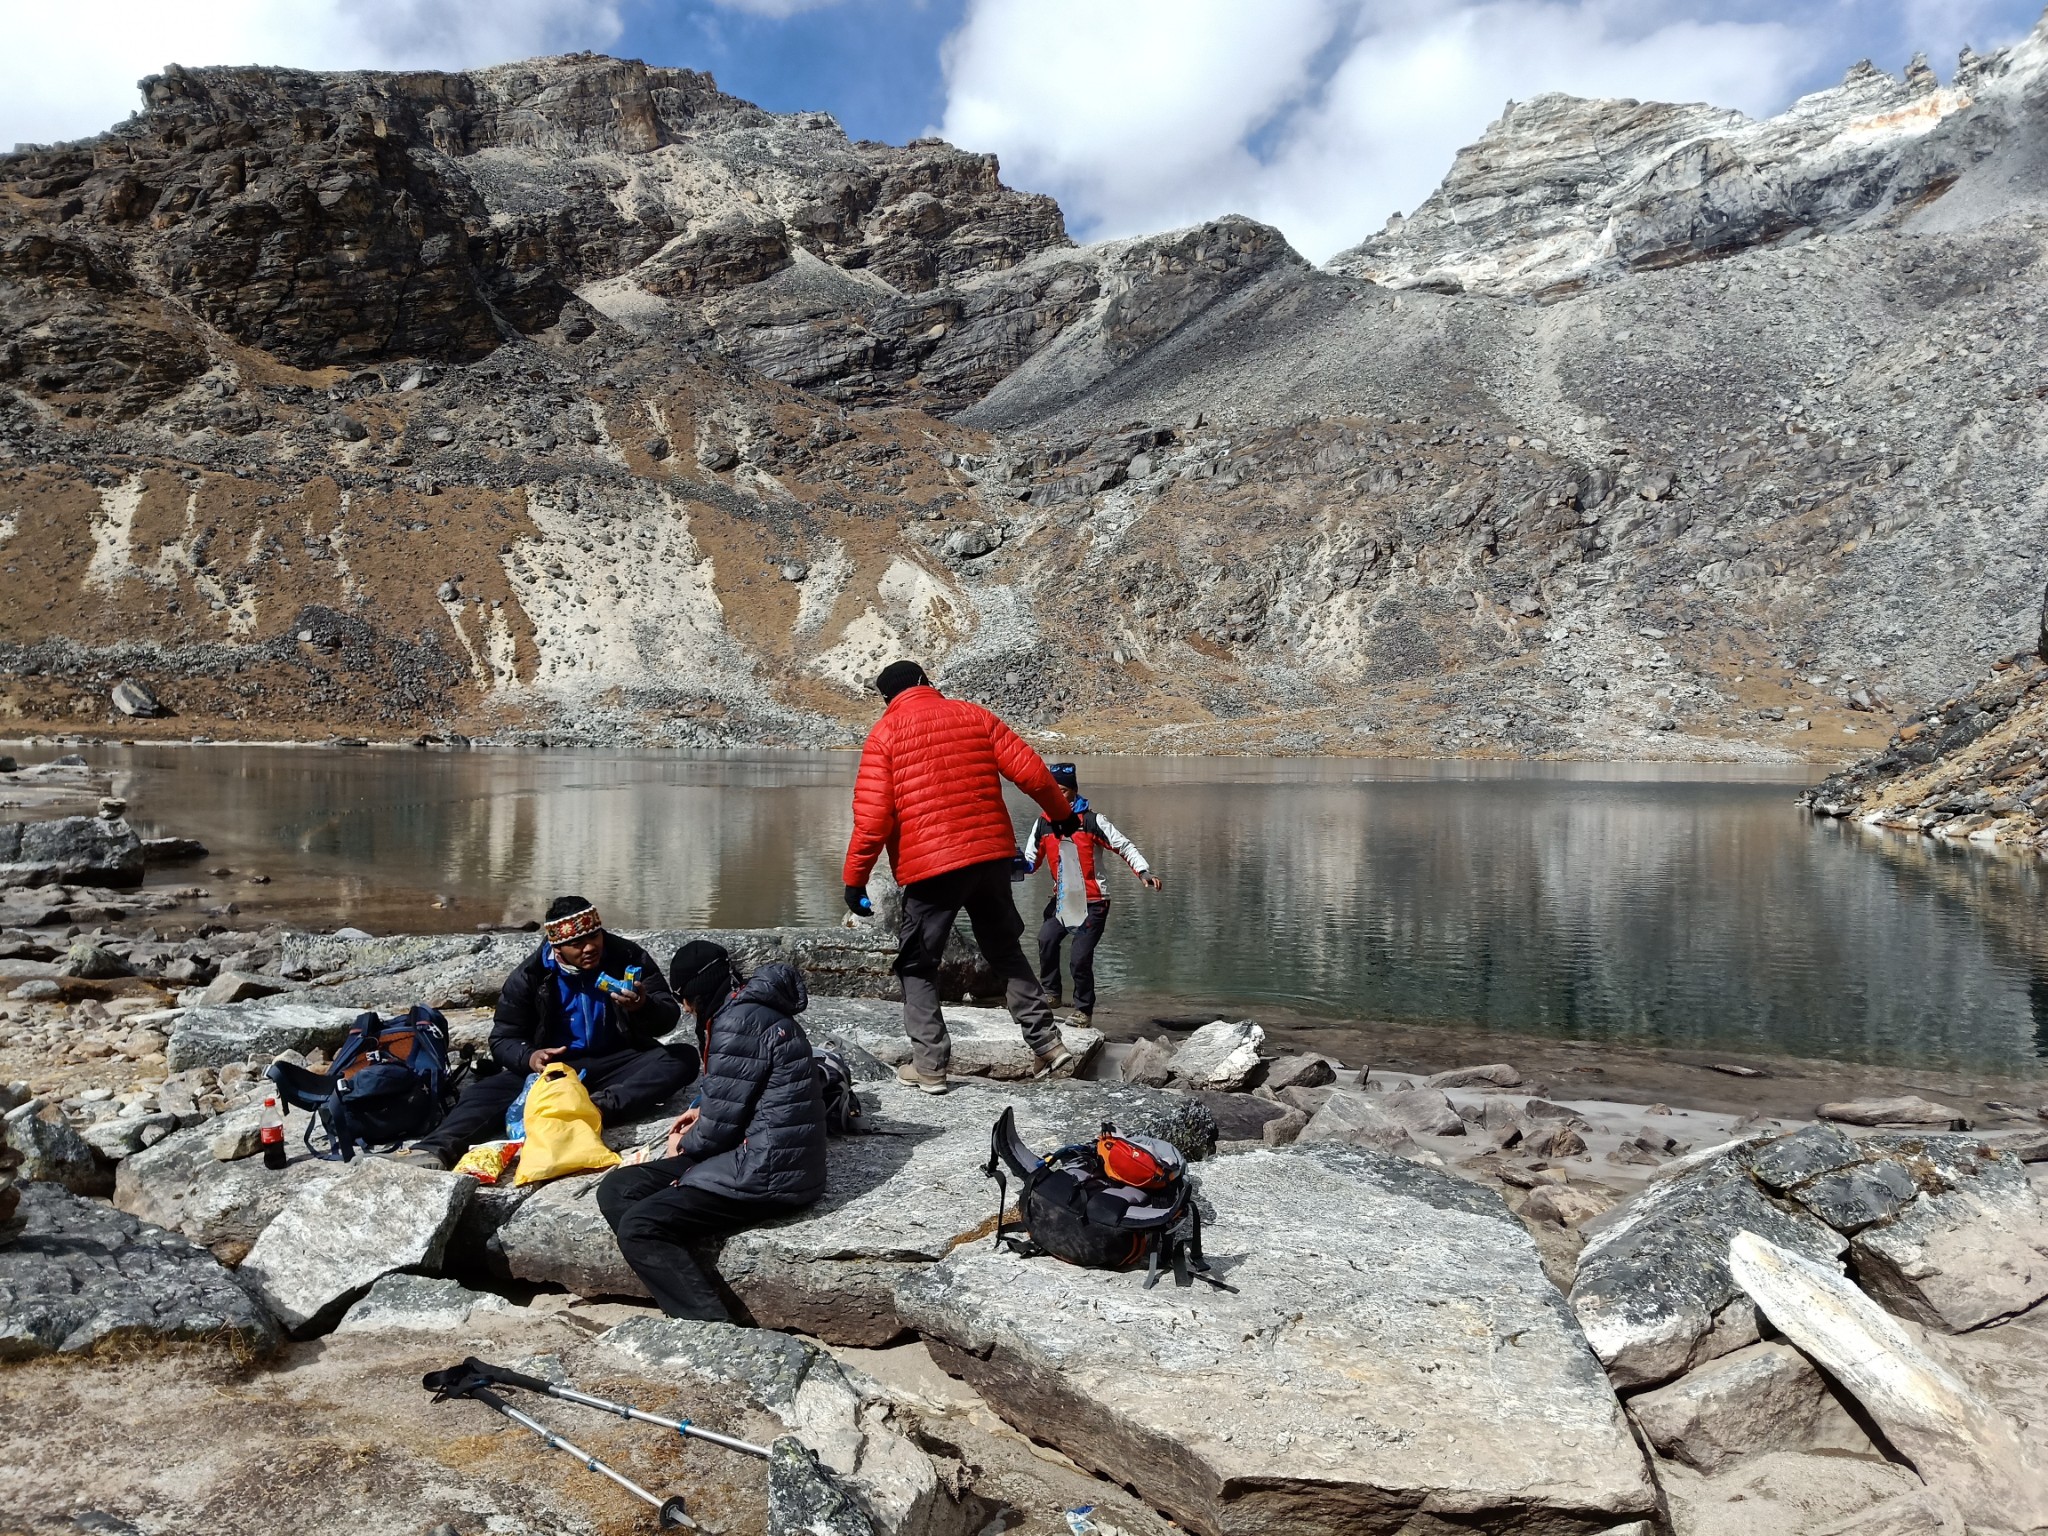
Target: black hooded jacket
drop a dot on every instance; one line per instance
(530, 1014)
(760, 1131)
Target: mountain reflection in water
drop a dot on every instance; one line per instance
(1684, 906)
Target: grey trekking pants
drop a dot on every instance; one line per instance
(929, 908)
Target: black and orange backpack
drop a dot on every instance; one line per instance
(1101, 1204)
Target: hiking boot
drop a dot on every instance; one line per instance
(1059, 1057)
(420, 1157)
(908, 1073)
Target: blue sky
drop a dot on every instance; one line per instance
(1321, 116)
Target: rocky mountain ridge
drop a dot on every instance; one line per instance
(577, 400)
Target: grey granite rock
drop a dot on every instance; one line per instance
(467, 969)
(254, 1031)
(1219, 1055)
(1960, 1444)
(126, 1135)
(181, 1185)
(52, 1152)
(1393, 1359)
(1299, 1072)
(1970, 1247)
(556, 1235)
(336, 1236)
(1494, 1075)
(80, 1276)
(1850, 1199)
(1426, 1111)
(74, 850)
(986, 1041)
(806, 1498)
(1147, 1063)
(1356, 1120)
(1766, 1397)
(1805, 1154)
(1905, 1109)
(1653, 1278)
(866, 1468)
(419, 1304)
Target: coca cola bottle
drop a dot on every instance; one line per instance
(270, 1131)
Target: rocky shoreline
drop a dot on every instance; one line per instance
(1472, 1294)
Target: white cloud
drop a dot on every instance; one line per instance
(70, 70)
(1325, 116)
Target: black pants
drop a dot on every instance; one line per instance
(1086, 937)
(982, 891)
(622, 1084)
(655, 1219)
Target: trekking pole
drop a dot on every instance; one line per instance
(499, 1376)
(461, 1382)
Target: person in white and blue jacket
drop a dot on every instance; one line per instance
(1043, 847)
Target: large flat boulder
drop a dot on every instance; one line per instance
(72, 850)
(81, 1277)
(1653, 1290)
(898, 1197)
(1394, 1360)
(224, 1206)
(556, 1235)
(336, 1236)
(1765, 1397)
(823, 1406)
(420, 1304)
(1959, 1443)
(254, 1031)
(986, 1041)
(466, 970)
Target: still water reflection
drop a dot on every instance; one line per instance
(1589, 901)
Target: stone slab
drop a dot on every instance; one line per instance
(419, 1304)
(1765, 1397)
(254, 1031)
(986, 1041)
(1957, 1442)
(180, 1185)
(337, 1236)
(901, 1196)
(81, 1277)
(1394, 1359)
(1653, 1278)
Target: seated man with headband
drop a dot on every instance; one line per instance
(552, 1008)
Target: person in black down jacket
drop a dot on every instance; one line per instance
(751, 1147)
(551, 1008)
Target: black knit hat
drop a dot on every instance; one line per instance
(899, 675)
(1063, 775)
(701, 975)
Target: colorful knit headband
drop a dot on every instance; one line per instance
(564, 930)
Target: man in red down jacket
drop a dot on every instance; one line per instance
(930, 792)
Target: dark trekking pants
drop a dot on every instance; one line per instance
(655, 1220)
(982, 891)
(1086, 937)
(622, 1084)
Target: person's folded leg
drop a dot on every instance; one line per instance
(623, 1084)
(654, 1232)
(625, 1186)
(478, 1115)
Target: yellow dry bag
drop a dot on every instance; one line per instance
(562, 1127)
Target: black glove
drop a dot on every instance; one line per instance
(857, 901)
(1066, 826)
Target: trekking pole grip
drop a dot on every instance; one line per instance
(507, 1378)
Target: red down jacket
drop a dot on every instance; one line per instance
(930, 788)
